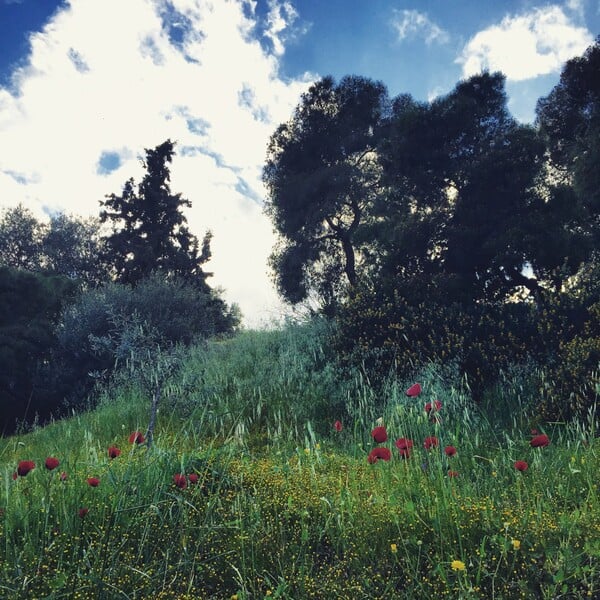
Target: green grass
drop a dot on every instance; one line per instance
(287, 507)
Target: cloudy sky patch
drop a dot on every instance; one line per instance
(527, 45)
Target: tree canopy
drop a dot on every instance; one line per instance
(321, 174)
(149, 229)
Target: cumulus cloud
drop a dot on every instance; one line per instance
(105, 80)
(412, 23)
(282, 25)
(527, 45)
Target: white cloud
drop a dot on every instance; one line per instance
(526, 45)
(412, 23)
(105, 78)
(280, 20)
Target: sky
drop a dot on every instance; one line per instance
(87, 85)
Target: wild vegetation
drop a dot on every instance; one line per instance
(262, 482)
(430, 429)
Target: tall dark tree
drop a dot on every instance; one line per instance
(30, 307)
(460, 178)
(321, 174)
(150, 231)
(569, 120)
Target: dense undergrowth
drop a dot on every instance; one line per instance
(250, 491)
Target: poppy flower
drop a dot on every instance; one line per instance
(430, 442)
(449, 450)
(63, 476)
(93, 481)
(136, 438)
(15, 475)
(437, 405)
(379, 454)
(521, 465)
(338, 426)
(83, 512)
(193, 478)
(113, 452)
(379, 434)
(404, 446)
(180, 481)
(403, 443)
(540, 441)
(414, 390)
(24, 467)
(51, 463)
(452, 473)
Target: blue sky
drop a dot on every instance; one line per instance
(86, 85)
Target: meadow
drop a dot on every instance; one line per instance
(273, 474)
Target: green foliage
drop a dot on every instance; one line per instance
(150, 232)
(279, 516)
(30, 306)
(321, 176)
(65, 245)
(255, 381)
(402, 330)
(108, 326)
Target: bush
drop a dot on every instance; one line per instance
(30, 305)
(106, 326)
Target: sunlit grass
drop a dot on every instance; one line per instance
(286, 506)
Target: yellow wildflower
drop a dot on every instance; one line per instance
(393, 548)
(516, 544)
(458, 565)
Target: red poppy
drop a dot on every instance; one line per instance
(93, 481)
(404, 446)
(180, 481)
(113, 452)
(430, 442)
(379, 454)
(51, 463)
(63, 476)
(83, 512)
(379, 434)
(452, 473)
(449, 450)
(136, 438)
(24, 467)
(521, 465)
(193, 478)
(15, 475)
(540, 441)
(338, 426)
(437, 405)
(414, 390)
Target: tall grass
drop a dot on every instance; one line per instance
(285, 506)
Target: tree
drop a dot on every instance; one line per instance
(30, 306)
(149, 231)
(73, 247)
(460, 178)
(21, 239)
(65, 245)
(321, 175)
(569, 120)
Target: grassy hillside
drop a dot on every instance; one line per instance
(249, 490)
